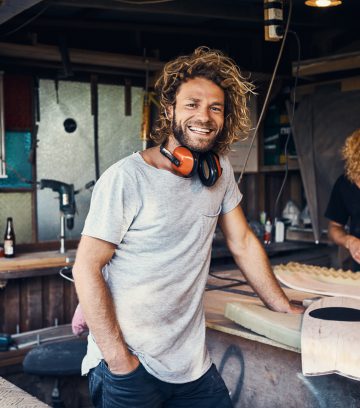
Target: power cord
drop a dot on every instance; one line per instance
(291, 119)
(63, 275)
(236, 282)
(267, 97)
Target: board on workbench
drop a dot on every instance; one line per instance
(284, 328)
(330, 338)
(215, 304)
(320, 280)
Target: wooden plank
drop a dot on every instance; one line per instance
(53, 301)
(28, 273)
(331, 346)
(12, 396)
(13, 357)
(350, 84)
(77, 56)
(31, 308)
(10, 316)
(328, 64)
(36, 260)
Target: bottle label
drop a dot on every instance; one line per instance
(9, 247)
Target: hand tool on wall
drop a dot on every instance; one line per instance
(66, 202)
(67, 205)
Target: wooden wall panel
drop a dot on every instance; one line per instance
(53, 294)
(10, 309)
(31, 311)
(70, 300)
(35, 302)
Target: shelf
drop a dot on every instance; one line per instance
(278, 167)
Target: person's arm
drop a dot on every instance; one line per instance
(252, 260)
(337, 233)
(97, 304)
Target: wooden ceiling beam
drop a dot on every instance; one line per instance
(10, 9)
(243, 12)
(139, 27)
(328, 64)
(77, 56)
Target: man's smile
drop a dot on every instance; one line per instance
(200, 130)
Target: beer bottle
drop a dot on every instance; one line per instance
(9, 239)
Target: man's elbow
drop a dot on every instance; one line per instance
(240, 247)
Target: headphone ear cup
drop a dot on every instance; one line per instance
(188, 161)
(209, 168)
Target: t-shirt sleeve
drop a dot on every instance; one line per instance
(336, 210)
(113, 206)
(232, 195)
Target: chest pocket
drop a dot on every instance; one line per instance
(209, 222)
(212, 213)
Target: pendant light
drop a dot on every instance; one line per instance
(323, 3)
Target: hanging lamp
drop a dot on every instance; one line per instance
(323, 3)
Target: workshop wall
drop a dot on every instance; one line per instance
(69, 157)
(19, 207)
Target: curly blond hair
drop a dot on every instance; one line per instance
(351, 154)
(216, 67)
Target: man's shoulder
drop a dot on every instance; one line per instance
(122, 165)
(123, 169)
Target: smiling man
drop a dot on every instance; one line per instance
(144, 257)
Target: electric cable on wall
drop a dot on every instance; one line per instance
(268, 92)
(291, 120)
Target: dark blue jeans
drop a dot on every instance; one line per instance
(139, 389)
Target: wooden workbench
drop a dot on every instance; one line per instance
(35, 264)
(33, 294)
(263, 373)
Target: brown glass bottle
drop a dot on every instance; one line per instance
(9, 239)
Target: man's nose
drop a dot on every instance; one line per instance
(203, 114)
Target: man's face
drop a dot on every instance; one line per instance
(198, 117)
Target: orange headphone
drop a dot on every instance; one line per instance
(186, 162)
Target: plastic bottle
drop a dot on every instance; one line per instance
(9, 239)
(279, 231)
(267, 233)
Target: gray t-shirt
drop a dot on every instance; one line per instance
(163, 226)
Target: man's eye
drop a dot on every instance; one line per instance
(216, 109)
(190, 105)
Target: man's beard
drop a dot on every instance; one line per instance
(186, 140)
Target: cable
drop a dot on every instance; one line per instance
(291, 119)
(236, 282)
(268, 91)
(239, 281)
(62, 274)
(26, 22)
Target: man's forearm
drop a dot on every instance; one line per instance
(97, 303)
(98, 308)
(254, 263)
